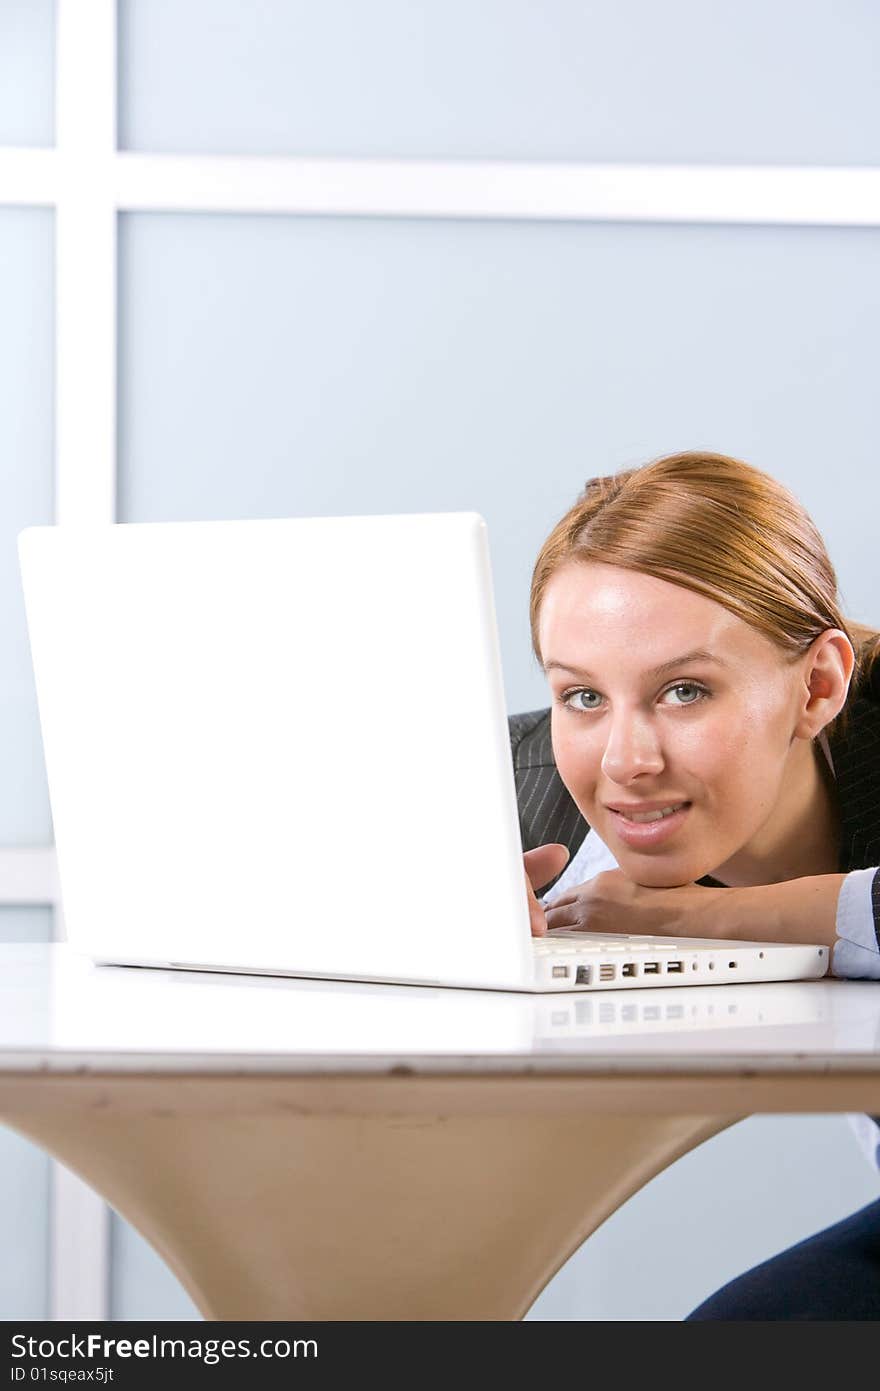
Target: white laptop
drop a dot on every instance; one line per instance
(281, 747)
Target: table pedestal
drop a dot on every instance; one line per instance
(370, 1199)
(385, 1197)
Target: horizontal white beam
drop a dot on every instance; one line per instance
(476, 189)
(28, 177)
(766, 194)
(28, 876)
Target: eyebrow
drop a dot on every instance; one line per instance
(697, 655)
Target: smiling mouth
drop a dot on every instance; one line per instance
(641, 816)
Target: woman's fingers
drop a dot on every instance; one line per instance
(544, 863)
(566, 916)
(537, 921)
(541, 865)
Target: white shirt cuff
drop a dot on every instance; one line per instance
(867, 1132)
(856, 953)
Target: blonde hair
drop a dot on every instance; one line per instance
(722, 528)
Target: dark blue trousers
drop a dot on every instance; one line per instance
(832, 1275)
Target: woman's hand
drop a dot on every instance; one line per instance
(541, 865)
(612, 903)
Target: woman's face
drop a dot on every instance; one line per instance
(662, 698)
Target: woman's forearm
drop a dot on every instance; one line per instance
(797, 910)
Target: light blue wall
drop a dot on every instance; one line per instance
(740, 1198)
(141, 1285)
(683, 81)
(278, 365)
(27, 72)
(318, 365)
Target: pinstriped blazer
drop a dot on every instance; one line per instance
(547, 812)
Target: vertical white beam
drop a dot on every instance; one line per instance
(28, 875)
(80, 1250)
(85, 468)
(85, 232)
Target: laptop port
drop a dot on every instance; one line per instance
(607, 971)
(629, 968)
(731, 964)
(583, 975)
(558, 972)
(651, 968)
(674, 966)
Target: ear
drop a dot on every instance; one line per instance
(825, 677)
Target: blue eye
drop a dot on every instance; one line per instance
(697, 692)
(567, 697)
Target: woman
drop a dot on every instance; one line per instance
(710, 764)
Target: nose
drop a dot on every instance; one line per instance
(632, 749)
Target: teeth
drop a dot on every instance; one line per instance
(651, 815)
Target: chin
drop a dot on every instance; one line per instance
(654, 877)
(655, 874)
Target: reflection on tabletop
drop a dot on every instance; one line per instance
(56, 1006)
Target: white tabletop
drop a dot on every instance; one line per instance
(61, 1013)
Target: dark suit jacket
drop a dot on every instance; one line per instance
(547, 812)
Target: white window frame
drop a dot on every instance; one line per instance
(87, 181)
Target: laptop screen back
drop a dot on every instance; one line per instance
(280, 745)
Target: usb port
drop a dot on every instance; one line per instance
(651, 968)
(675, 966)
(558, 972)
(629, 968)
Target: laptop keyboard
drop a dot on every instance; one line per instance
(589, 943)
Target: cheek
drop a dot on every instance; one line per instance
(578, 757)
(739, 765)
(709, 764)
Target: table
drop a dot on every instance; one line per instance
(299, 1149)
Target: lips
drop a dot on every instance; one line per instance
(643, 827)
(656, 804)
(646, 814)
